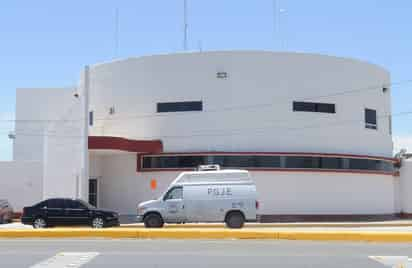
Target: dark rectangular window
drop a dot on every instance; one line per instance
(325, 108)
(91, 118)
(331, 163)
(184, 106)
(247, 161)
(370, 119)
(302, 162)
(300, 106)
(174, 161)
(360, 164)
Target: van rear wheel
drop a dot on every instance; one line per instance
(153, 220)
(235, 219)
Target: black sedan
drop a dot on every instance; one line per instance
(65, 211)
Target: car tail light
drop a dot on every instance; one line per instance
(257, 204)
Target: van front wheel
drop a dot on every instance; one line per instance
(235, 219)
(153, 220)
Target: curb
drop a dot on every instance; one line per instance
(137, 233)
(275, 225)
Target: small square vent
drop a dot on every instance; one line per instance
(221, 75)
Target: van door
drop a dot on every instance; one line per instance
(174, 205)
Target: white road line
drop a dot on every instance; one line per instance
(394, 261)
(67, 259)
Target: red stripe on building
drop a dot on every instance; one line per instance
(127, 145)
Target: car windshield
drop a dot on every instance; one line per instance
(84, 203)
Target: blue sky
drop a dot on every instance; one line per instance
(45, 43)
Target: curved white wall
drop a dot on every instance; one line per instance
(135, 85)
(312, 193)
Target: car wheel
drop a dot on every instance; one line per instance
(39, 223)
(153, 220)
(235, 220)
(98, 223)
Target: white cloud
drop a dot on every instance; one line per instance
(402, 142)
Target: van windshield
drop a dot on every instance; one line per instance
(174, 193)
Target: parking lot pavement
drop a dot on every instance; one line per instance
(89, 253)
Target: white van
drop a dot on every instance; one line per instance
(204, 196)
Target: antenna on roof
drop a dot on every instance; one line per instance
(184, 25)
(199, 44)
(277, 16)
(116, 33)
(275, 24)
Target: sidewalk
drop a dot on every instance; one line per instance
(399, 231)
(397, 223)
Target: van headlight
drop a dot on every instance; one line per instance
(140, 210)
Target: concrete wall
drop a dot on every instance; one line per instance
(134, 86)
(49, 129)
(64, 149)
(96, 165)
(122, 188)
(324, 193)
(34, 107)
(21, 183)
(406, 185)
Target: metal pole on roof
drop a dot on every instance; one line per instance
(116, 34)
(185, 25)
(275, 24)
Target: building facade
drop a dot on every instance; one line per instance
(313, 130)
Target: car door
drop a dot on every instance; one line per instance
(174, 205)
(76, 213)
(55, 211)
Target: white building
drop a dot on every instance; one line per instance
(315, 132)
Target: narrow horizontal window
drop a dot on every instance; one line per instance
(370, 119)
(183, 106)
(316, 107)
(265, 162)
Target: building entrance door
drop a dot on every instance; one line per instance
(93, 191)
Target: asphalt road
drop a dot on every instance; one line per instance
(192, 253)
